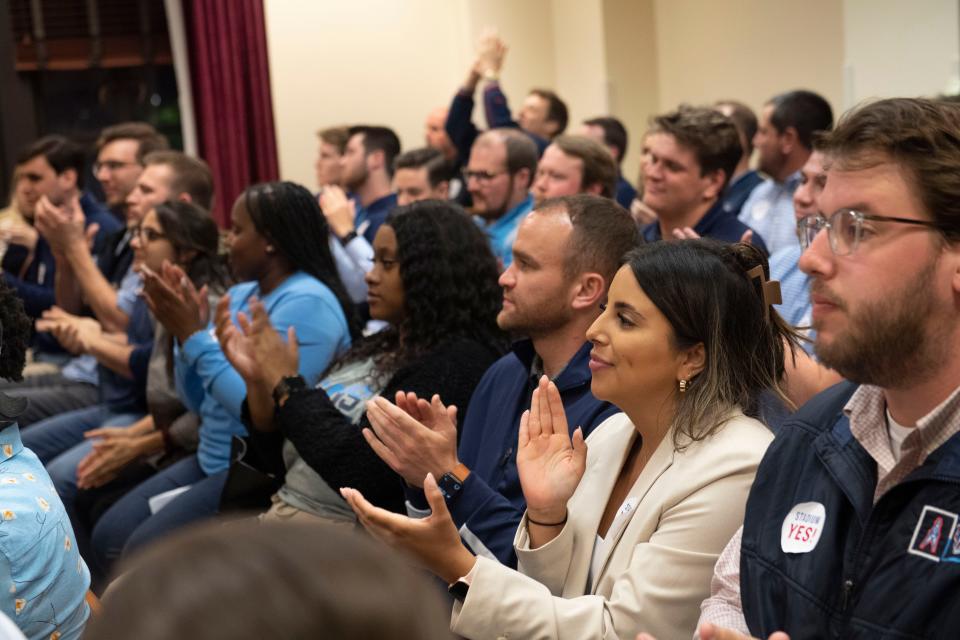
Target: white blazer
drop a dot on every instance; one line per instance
(658, 558)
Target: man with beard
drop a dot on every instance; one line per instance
(784, 141)
(499, 174)
(366, 172)
(565, 255)
(852, 528)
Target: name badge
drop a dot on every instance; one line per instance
(802, 527)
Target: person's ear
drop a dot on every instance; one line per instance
(789, 139)
(589, 290)
(525, 177)
(714, 183)
(692, 362)
(185, 197)
(376, 160)
(67, 179)
(595, 189)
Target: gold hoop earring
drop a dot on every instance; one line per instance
(683, 386)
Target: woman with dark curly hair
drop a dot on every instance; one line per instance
(434, 280)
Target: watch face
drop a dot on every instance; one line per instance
(449, 485)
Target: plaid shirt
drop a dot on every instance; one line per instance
(866, 410)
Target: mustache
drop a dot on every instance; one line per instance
(817, 288)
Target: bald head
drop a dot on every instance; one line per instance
(436, 134)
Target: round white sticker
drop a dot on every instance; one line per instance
(802, 527)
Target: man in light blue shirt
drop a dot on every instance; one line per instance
(784, 141)
(500, 172)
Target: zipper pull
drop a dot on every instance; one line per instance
(847, 588)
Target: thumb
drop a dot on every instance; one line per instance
(579, 446)
(91, 233)
(438, 505)
(292, 344)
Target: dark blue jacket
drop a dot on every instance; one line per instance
(489, 507)
(35, 288)
(739, 190)
(715, 223)
(625, 192)
(890, 570)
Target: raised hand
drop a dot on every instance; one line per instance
(174, 301)
(433, 541)
(340, 211)
(490, 52)
(550, 464)
(61, 226)
(414, 437)
(234, 342)
(275, 358)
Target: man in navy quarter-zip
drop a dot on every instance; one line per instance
(564, 257)
(852, 528)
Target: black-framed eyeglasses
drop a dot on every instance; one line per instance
(845, 228)
(146, 234)
(110, 165)
(482, 176)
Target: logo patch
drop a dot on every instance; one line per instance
(933, 537)
(802, 527)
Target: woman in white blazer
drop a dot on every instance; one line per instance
(622, 531)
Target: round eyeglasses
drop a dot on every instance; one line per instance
(845, 228)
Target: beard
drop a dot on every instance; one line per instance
(548, 316)
(894, 341)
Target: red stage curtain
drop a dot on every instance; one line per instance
(231, 92)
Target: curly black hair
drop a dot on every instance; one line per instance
(449, 277)
(15, 334)
(290, 217)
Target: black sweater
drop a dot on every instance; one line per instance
(335, 448)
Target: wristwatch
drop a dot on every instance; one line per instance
(286, 388)
(347, 239)
(451, 483)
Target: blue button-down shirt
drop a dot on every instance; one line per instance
(769, 212)
(794, 290)
(43, 579)
(503, 231)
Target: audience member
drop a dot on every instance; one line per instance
(435, 282)
(572, 165)
(565, 255)
(633, 544)
(109, 286)
(744, 179)
(784, 141)
(366, 173)
(690, 155)
(869, 464)
(609, 131)
(51, 168)
(421, 174)
(435, 136)
(278, 251)
(185, 235)
(331, 143)
(502, 166)
(20, 208)
(120, 152)
(244, 581)
(784, 265)
(542, 116)
(46, 580)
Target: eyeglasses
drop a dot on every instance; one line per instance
(845, 229)
(482, 176)
(146, 234)
(110, 165)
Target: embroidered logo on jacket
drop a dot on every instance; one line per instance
(936, 536)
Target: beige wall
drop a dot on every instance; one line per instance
(390, 61)
(900, 48)
(748, 49)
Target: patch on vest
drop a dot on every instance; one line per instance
(936, 536)
(802, 527)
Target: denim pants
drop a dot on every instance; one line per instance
(129, 524)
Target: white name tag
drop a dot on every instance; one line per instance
(802, 527)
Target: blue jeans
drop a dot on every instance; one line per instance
(129, 524)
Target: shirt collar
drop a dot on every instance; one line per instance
(510, 216)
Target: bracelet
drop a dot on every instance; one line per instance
(548, 524)
(347, 239)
